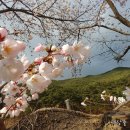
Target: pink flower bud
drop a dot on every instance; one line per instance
(21, 45)
(38, 60)
(34, 96)
(39, 48)
(3, 34)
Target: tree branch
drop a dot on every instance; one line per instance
(38, 14)
(118, 16)
(123, 54)
(104, 26)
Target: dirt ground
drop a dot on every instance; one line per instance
(63, 119)
(58, 119)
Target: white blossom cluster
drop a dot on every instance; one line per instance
(113, 99)
(22, 81)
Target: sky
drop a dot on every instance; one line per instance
(99, 64)
(104, 63)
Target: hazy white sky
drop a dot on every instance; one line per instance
(98, 64)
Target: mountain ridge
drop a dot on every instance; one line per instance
(77, 89)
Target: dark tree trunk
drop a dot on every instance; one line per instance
(2, 125)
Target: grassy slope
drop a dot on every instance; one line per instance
(77, 89)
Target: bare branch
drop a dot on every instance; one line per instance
(123, 54)
(118, 16)
(50, 6)
(38, 14)
(104, 26)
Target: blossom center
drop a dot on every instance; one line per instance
(34, 80)
(76, 48)
(14, 89)
(7, 49)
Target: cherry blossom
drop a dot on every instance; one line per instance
(38, 60)
(45, 69)
(83, 104)
(9, 100)
(11, 69)
(3, 110)
(53, 48)
(3, 34)
(25, 62)
(121, 100)
(56, 72)
(11, 89)
(24, 80)
(39, 48)
(103, 95)
(113, 99)
(56, 61)
(21, 103)
(37, 84)
(14, 110)
(80, 52)
(14, 113)
(35, 96)
(77, 51)
(11, 48)
(66, 49)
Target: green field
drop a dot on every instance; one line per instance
(77, 89)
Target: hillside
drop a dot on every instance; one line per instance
(77, 89)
